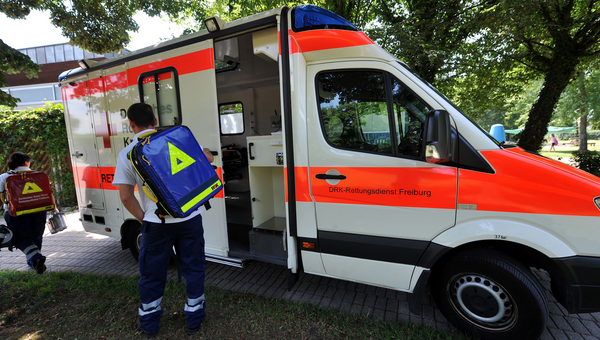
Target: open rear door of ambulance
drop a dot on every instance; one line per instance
(180, 84)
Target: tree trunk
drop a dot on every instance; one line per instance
(583, 111)
(556, 79)
(583, 132)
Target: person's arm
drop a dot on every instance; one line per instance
(208, 155)
(130, 202)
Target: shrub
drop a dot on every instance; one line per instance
(588, 161)
(591, 135)
(43, 135)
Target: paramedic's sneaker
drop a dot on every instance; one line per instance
(193, 331)
(39, 265)
(146, 333)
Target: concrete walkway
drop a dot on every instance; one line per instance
(74, 249)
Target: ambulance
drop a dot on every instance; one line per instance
(339, 161)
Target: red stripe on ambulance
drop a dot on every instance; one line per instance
(184, 64)
(92, 177)
(317, 40)
(402, 187)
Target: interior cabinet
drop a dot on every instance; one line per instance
(267, 192)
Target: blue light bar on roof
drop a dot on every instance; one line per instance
(310, 17)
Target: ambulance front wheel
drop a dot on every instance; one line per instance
(134, 238)
(489, 294)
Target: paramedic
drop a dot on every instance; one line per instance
(187, 234)
(28, 230)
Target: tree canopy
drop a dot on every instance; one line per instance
(481, 53)
(552, 38)
(13, 62)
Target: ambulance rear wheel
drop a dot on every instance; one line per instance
(134, 238)
(489, 294)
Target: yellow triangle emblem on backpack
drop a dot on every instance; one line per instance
(179, 159)
(31, 188)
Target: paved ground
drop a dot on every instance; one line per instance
(74, 249)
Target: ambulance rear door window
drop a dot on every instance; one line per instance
(160, 89)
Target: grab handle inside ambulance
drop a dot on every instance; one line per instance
(250, 145)
(438, 137)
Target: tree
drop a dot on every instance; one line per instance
(358, 12)
(98, 26)
(442, 41)
(426, 34)
(13, 62)
(552, 38)
(580, 102)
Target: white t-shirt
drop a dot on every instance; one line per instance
(3, 180)
(126, 174)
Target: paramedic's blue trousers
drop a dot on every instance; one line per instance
(188, 238)
(28, 231)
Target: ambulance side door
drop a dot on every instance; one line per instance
(378, 204)
(82, 142)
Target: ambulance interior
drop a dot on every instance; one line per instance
(247, 75)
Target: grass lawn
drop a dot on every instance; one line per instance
(68, 305)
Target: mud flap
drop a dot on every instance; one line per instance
(415, 299)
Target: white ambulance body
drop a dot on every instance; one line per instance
(338, 161)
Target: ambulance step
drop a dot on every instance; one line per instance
(229, 261)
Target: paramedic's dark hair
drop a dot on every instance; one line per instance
(141, 114)
(18, 159)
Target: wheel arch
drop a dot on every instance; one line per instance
(125, 228)
(527, 244)
(520, 232)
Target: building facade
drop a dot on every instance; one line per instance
(53, 60)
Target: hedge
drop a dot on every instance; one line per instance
(42, 134)
(591, 135)
(588, 161)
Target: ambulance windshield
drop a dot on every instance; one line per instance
(310, 17)
(451, 103)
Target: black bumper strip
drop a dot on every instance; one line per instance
(372, 247)
(583, 276)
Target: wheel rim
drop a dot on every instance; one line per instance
(482, 301)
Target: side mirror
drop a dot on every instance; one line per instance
(438, 137)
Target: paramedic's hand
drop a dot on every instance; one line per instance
(130, 202)
(208, 154)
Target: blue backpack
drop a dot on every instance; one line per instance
(176, 173)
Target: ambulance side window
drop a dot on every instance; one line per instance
(409, 117)
(231, 118)
(160, 88)
(354, 110)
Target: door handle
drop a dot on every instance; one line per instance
(326, 176)
(250, 145)
(78, 154)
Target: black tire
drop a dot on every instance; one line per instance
(134, 236)
(489, 294)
